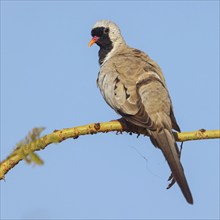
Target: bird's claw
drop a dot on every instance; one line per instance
(172, 179)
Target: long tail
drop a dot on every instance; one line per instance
(164, 139)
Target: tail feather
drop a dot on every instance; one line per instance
(164, 139)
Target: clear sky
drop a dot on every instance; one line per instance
(48, 78)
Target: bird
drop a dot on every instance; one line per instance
(133, 85)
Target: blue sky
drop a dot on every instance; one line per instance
(48, 78)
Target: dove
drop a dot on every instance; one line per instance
(134, 86)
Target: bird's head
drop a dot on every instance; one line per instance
(105, 34)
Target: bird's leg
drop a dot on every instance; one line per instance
(126, 126)
(131, 128)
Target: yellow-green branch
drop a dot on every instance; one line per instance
(22, 152)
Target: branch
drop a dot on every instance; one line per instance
(25, 149)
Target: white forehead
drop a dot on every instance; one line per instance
(107, 24)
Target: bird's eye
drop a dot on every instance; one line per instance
(106, 30)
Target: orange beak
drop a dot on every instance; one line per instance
(94, 39)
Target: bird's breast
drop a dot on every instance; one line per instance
(107, 83)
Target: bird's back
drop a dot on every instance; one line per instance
(120, 80)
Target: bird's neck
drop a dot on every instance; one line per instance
(103, 52)
(108, 51)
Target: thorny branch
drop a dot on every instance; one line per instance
(25, 149)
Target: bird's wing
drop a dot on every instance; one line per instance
(136, 66)
(118, 81)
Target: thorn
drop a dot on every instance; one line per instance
(97, 126)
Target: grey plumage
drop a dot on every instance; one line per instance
(134, 86)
